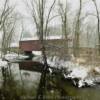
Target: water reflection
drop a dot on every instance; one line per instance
(27, 83)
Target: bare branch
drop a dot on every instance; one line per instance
(53, 17)
(47, 21)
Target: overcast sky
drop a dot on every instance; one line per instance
(87, 7)
(74, 4)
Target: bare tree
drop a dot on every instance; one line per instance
(7, 22)
(41, 20)
(64, 20)
(98, 24)
(77, 32)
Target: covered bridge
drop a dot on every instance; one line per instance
(35, 45)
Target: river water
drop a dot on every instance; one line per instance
(86, 93)
(31, 79)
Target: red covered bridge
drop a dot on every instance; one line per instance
(35, 45)
(30, 45)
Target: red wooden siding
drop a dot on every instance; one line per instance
(35, 45)
(31, 45)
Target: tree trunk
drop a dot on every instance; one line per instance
(77, 33)
(41, 88)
